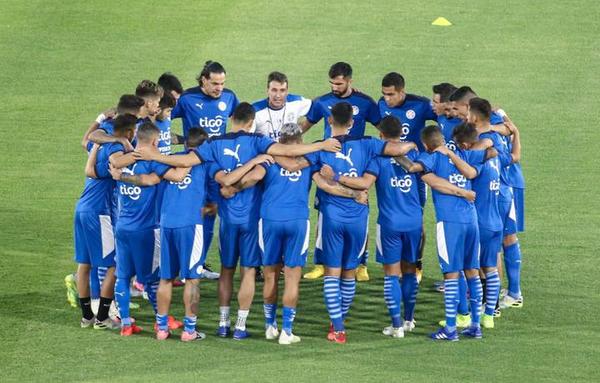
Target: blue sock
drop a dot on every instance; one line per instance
(463, 303)
(410, 287)
(122, 298)
(289, 313)
(450, 302)
(492, 290)
(208, 228)
(364, 258)
(333, 301)
(392, 292)
(512, 264)
(95, 286)
(189, 324)
(270, 310)
(162, 321)
(348, 290)
(476, 294)
(151, 288)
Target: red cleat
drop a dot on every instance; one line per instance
(178, 283)
(330, 334)
(339, 337)
(174, 324)
(130, 330)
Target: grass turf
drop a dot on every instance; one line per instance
(63, 62)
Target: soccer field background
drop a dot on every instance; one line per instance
(62, 62)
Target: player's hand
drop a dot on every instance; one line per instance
(263, 159)
(115, 172)
(443, 149)
(362, 197)
(469, 195)
(227, 192)
(126, 145)
(110, 113)
(146, 153)
(327, 172)
(209, 209)
(331, 145)
(84, 144)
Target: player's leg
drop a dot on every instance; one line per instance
(319, 269)
(412, 241)
(169, 268)
(512, 261)
(191, 258)
(471, 268)
(124, 271)
(103, 258)
(83, 259)
(229, 253)
(362, 272)
(249, 260)
(147, 262)
(388, 249)
(490, 243)
(210, 217)
(333, 246)
(422, 188)
(270, 240)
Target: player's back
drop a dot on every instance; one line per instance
(285, 193)
(487, 187)
(97, 192)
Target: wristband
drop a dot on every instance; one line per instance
(101, 117)
(336, 177)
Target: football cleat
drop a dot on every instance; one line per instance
(174, 324)
(130, 330)
(497, 313)
(409, 325)
(339, 337)
(162, 334)
(394, 332)
(85, 323)
(286, 338)
(317, 272)
(72, 294)
(362, 274)
(107, 324)
(419, 274)
(487, 321)
(439, 286)
(472, 332)
(444, 334)
(330, 335)
(208, 273)
(192, 336)
(271, 333)
(240, 334)
(507, 302)
(462, 321)
(223, 331)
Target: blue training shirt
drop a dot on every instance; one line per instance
(487, 187)
(164, 140)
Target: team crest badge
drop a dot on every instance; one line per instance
(410, 114)
(355, 110)
(222, 106)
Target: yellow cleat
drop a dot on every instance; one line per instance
(487, 321)
(317, 272)
(462, 321)
(72, 294)
(362, 274)
(419, 275)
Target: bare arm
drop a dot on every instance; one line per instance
(179, 161)
(408, 165)
(121, 160)
(109, 113)
(446, 187)
(462, 166)
(99, 136)
(305, 125)
(135, 179)
(250, 179)
(292, 164)
(176, 139)
(231, 178)
(516, 141)
(90, 164)
(362, 183)
(294, 150)
(398, 148)
(176, 174)
(334, 188)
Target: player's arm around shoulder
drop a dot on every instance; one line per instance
(335, 188)
(90, 164)
(443, 186)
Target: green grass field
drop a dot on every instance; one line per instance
(62, 62)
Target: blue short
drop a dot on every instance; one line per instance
(182, 252)
(138, 253)
(284, 242)
(457, 246)
(519, 200)
(394, 246)
(343, 243)
(239, 242)
(94, 239)
(422, 188)
(490, 244)
(508, 215)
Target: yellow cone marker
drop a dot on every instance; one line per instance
(441, 22)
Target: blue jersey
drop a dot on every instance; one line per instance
(447, 126)
(97, 195)
(450, 208)
(351, 161)
(487, 187)
(183, 201)
(412, 113)
(137, 204)
(285, 193)
(515, 176)
(164, 140)
(228, 152)
(196, 108)
(363, 109)
(502, 146)
(397, 194)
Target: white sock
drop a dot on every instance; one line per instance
(224, 316)
(241, 319)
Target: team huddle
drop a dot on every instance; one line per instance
(150, 214)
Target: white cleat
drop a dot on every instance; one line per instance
(85, 323)
(284, 338)
(272, 333)
(508, 301)
(113, 312)
(408, 325)
(394, 332)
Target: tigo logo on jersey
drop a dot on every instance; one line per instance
(132, 192)
(403, 184)
(405, 131)
(410, 114)
(222, 106)
(165, 137)
(495, 186)
(353, 172)
(355, 110)
(293, 176)
(458, 180)
(213, 124)
(182, 185)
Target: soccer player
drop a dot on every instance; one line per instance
(162, 121)
(412, 111)
(457, 230)
(93, 230)
(364, 109)
(279, 107)
(443, 109)
(171, 85)
(345, 221)
(232, 155)
(137, 231)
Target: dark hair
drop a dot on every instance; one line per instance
(210, 67)
(391, 127)
(340, 69)
(147, 131)
(394, 79)
(169, 82)
(124, 122)
(432, 136)
(243, 113)
(463, 93)
(445, 90)
(481, 106)
(167, 101)
(342, 113)
(148, 88)
(290, 133)
(196, 136)
(130, 103)
(277, 77)
(465, 133)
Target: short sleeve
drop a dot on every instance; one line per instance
(305, 105)
(114, 148)
(213, 169)
(373, 167)
(158, 168)
(262, 143)
(427, 160)
(315, 114)
(107, 126)
(313, 158)
(473, 157)
(205, 152)
(377, 147)
(496, 119)
(177, 111)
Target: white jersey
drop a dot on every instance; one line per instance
(268, 121)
